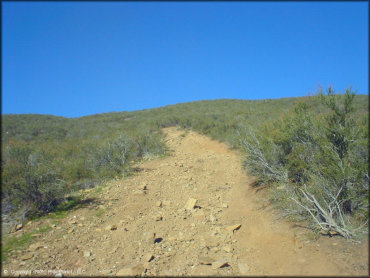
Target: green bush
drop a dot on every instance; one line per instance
(318, 161)
(30, 179)
(113, 158)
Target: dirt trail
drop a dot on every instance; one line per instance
(114, 234)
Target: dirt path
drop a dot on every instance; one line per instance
(139, 225)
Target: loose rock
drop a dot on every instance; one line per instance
(219, 264)
(158, 218)
(26, 257)
(35, 246)
(149, 237)
(148, 257)
(19, 227)
(227, 248)
(142, 187)
(111, 228)
(131, 270)
(191, 203)
(87, 254)
(234, 227)
(205, 260)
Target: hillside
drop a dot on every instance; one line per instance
(76, 149)
(148, 225)
(205, 116)
(310, 154)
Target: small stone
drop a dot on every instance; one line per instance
(191, 203)
(205, 260)
(97, 230)
(158, 217)
(225, 205)
(234, 227)
(131, 270)
(243, 268)
(148, 257)
(26, 257)
(227, 248)
(59, 274)
(111, 228)
(142, 187)
(35, 246)
(87, 254)
(19, 227)
(219, 264)
(158, 239)
(159, 204)
(149, 237)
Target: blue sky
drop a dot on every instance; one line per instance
(80, 58)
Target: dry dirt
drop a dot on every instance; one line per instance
(152, 202)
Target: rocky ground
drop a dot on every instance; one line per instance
(191, 213)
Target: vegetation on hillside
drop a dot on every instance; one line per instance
(45, 157)
(316, 164)
(301, 147)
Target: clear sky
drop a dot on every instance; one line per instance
(80, 58)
